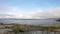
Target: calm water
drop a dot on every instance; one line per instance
(28, 21)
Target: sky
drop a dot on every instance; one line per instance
(30, 9)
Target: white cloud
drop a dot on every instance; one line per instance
(49, 13)
(15, 12)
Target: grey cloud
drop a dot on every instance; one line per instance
(6, 16)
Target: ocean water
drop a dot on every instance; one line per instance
(43, 21)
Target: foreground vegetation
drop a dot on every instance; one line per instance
(21, 28)
(18, 28)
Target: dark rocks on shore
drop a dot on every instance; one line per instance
(58, 20)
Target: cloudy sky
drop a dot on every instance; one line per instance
(29, 9)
